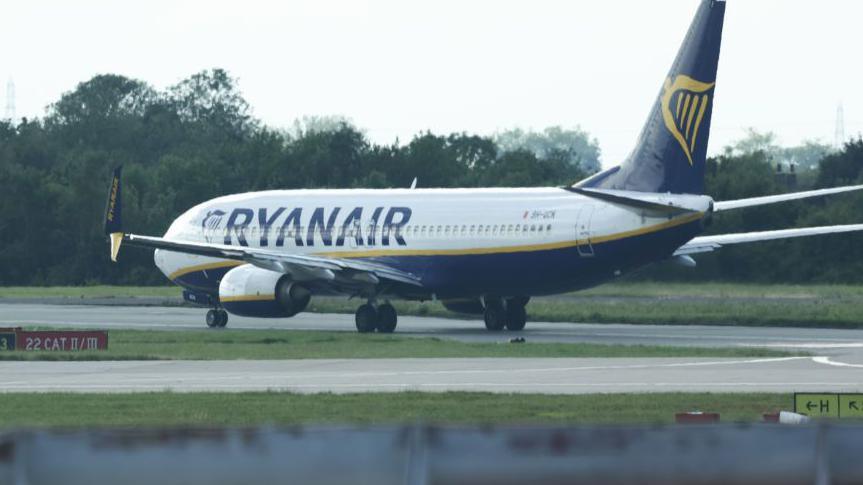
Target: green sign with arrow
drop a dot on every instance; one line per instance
(823, 405)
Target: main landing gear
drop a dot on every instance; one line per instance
(371, 317)
(509, 313)
(217, 318)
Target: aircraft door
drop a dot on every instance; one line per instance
(583, 231)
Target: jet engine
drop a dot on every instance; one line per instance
(255, 292)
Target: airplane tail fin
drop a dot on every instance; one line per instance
(672, 148)
(113, 214)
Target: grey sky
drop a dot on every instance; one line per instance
(397, 67)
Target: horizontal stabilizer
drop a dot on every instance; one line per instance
(772, 199)
(705, 244)
(665, 203)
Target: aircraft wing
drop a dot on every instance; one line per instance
(772, 199)
(705, 244)
(305, 266)
(315, 267)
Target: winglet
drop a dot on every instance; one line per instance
(113, 214)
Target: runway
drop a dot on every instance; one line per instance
(553, 376)
(836, 363)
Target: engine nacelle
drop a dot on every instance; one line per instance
(254, 292)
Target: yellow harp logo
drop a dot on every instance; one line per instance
(684, 102)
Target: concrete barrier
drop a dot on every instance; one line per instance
(727, 454)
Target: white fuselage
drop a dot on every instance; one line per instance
(394, 223)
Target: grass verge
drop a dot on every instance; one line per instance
(299, 344)
(102, 291)
(246, 409)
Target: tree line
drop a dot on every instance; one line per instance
(198, 139)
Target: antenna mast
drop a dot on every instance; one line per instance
(9, 114)
(839, 135)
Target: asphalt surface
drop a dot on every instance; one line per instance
(836, 365)
(556, 376)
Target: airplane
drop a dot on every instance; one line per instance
(480, 251)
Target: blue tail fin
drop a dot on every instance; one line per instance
(671, 151)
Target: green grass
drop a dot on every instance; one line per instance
(297, 344)
(810, 313)
(89, 291)
(723, 290)
(838, 306)
(246, 409)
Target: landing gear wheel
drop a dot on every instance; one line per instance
(494, 316)
(387, 318)
(223, 318)
(366, 318)
(516, 317)
(212, 318)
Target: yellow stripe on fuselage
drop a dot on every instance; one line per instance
(239, 298)
(468, 251)
(513, 249)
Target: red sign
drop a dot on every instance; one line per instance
(62, 341)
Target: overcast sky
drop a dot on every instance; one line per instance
(398, 67)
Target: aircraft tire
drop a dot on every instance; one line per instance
(223, 318)
(212, 318)
(366, 318)
(516, 317)
(495, 317)
(387, 318)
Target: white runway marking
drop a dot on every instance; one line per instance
(827, 361)
(564, 387)
(811, 345)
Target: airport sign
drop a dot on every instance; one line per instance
(829, 405)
